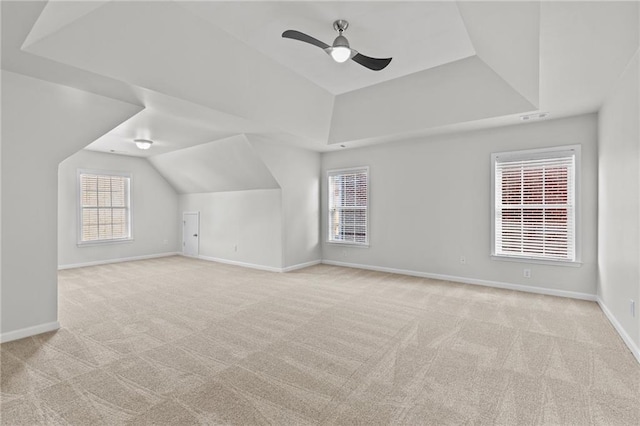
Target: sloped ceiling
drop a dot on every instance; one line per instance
(462, 91)
(218, 60)
(169, 131)
(456, 66)
(229, 164)
(59, 120)
(165, 48)
(229, 57)
(54, 17)
(516, 57)
(586, 47)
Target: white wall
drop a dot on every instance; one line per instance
(242, 227)
(619, 202)
(297, 172)
(42, 123)
(430, 204)
(154, 210)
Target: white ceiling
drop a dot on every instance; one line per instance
(208, 70)
(167, 131)
(229, 164)
(172, 124)
(417, 35)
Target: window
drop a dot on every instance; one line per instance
(535, 204)
(348, 206)
(105, 214)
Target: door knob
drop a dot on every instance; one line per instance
(195, 235)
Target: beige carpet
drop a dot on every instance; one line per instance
(180, 341)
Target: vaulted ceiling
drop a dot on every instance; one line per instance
(206, 71)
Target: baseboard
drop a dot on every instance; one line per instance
(465, 280)
(243, 264)
(29, 331)
(301, 266)
(122, 259)
(621, 331)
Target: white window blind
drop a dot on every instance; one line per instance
(535, 209)
(348, 206)
(104, 207)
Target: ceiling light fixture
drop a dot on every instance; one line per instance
(340, 54)
(143, 143)
(340, 51)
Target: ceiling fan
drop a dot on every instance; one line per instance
(340, 51)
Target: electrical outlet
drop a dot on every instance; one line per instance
(235, 247)
(463, 260)
(527, 273)
(632, 307)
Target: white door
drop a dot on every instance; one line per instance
(190, 233)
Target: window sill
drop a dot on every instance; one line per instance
(104, 243)
(348, 244)
(576, 264)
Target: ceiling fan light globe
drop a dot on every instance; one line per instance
(143, 143)
(340, 54)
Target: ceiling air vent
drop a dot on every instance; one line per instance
(530, 117)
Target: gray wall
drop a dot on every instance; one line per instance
(42, 123)
(238, 198)
(297, 172)
(154, 210)
(619, 202)
(241, 227)
(430, 204)
(269, 228)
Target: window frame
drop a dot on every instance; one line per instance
(540, 153)
(348, 170)
(129, 209)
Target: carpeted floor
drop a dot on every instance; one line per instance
(181, 341)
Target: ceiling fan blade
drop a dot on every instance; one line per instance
(371, 63)
(297, 35)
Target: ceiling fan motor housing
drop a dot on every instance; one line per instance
(341, 41)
